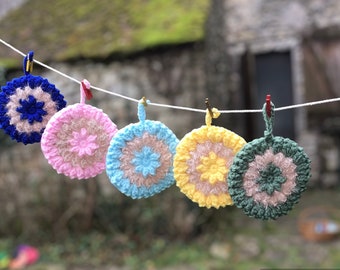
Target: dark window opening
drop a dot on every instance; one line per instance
(262, 74)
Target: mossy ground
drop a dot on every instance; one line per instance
(245, 244)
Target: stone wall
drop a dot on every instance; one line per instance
(174, 76)
(271, 20)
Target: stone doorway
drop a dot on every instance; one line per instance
(268, 73)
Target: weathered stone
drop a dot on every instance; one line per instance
(247, 247)
(220, 250)
(329, 179)
(179, 80)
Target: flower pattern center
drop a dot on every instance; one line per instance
(212, 168)
(83, 143)
(31, 110)
(146, 161)
(271, 179)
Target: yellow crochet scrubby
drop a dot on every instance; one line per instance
(202, 161)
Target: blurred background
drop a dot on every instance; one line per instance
(175, 52)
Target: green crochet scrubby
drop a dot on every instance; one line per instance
(268, 174)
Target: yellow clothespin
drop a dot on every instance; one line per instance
(144, 101)
(211, 113)
(29, 62)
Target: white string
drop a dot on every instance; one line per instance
(319, 102)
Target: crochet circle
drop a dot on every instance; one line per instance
(268, 176)
(76, 139)
(26, 105)
(201, 164)
(139, 161)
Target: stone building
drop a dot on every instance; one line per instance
(289, 49)
(286, 48)
(160, 57)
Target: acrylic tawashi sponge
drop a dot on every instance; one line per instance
(26, 105)
(268, 175)
(202, 161)
(139, 161)
(76, 140)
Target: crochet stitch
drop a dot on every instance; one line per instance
(139, 161)
(76, 139)
(268, 175)
(202, 161)
(26, 105)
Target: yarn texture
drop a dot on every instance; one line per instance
(76, 139)
(26, 105)
(268, 175)
(202, 161)
(139, 161)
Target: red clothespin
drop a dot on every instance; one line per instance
(86, 88)
(268, 106)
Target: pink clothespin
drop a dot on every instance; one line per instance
(86, 86)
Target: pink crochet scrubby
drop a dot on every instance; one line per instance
(76, 139)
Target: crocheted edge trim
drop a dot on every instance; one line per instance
(241, 163)
(205, 133)
(126, 134)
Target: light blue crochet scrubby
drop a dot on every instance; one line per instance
(139, 161)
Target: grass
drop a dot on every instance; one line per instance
(162, 254)
(249, 244)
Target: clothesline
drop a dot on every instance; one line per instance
(319, 102)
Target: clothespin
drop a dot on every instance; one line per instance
(28, 63)
(144, 101)
(268, 106)
(86, 86)
(209, 107)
